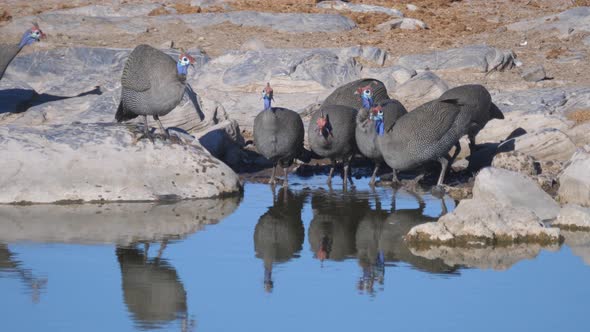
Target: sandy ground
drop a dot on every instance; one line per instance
(452, 24)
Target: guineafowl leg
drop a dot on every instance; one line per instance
(331, 171)
(395, 183)
(146, 131)
(345, 178)
(272, 177)
(444, 164)
(372, 182)
(286, 172)
(162, 129)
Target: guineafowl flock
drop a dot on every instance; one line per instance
(357, 118)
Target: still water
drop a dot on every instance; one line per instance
(306, 259)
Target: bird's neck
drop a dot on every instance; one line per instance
(367, 103)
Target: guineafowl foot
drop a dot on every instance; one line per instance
(143, 136)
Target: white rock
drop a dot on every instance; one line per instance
(477, 222)
(574, 181)
(93, 162)
(574, 217)
(118, 223)
(534, 74)
(515, 190)
(362, 8)
(412, 7)
(422, 87)
(402, 23)
(546, 144)
(402, 74)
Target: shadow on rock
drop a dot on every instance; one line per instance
(20, 100)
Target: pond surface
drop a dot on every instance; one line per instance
(309, 260)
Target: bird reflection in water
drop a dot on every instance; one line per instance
(279, 233)
(10, 265)
(380, 242)
(152, 290)
(335, 218)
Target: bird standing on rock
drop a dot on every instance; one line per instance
(152, 84)
(9, 52)
(424, 134)
(476, 100)
(278, 134)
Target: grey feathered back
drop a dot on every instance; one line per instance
(365, 133)
(150, 84)
(7, 54)
(424, 134)
(278, 135)
(346, 94)
(341, 144)
(477, 101)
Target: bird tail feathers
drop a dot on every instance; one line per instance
(123, 114)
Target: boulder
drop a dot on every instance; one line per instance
(534, 74)
(512, 189)
(422, 87)
(477, 222)
(517, 162)
(496, 258)
(572, 20)
(402, 23)
(573, 217)
(545, 144)
(361, 8)
(574, 181)
(100, 162)
(118, 223)
(479, 58)
(402, 74)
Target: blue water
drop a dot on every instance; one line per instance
(308, 262)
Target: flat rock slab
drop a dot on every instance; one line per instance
(477, 222)
(118, 223)
(495, 258)
(361, 8)
(572, 20)
(91, 162)
(574, 181)
(423, 87)
(546, 144)
(573, 217)
(512, 189)
(79, 25)
(479, 58)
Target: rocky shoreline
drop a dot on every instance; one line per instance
(527, 179)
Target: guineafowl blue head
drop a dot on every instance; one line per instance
(377, 117)
(366, 93)
(31, 35)
(267, 96)
(184, 60)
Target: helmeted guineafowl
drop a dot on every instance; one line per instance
(424, 134)
(347, 94)
(278, 134)
(331, 135)
(476, 100)
(370, 122)
(152, 84)
(8, 52)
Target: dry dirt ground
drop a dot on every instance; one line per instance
(452, 23)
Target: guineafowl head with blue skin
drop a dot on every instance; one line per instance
(184, 60)
(366, 93)
(267, 96)
(31, 35)
(377, 117)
